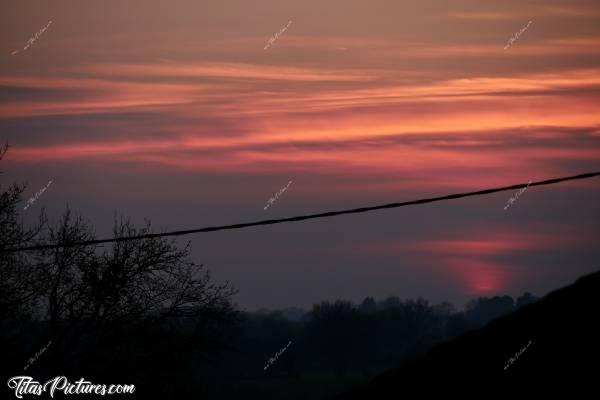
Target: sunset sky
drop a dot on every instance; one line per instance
(174, 111)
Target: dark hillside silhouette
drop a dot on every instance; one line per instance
(563, 354)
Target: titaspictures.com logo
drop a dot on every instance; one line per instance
(26, 385)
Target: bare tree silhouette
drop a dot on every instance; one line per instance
(123, 302)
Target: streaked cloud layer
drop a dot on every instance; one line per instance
(423, 100)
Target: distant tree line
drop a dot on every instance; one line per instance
(342, 342)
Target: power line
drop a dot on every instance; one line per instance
(304, 217)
